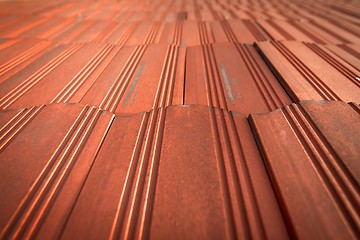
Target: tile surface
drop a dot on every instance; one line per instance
(310, 72)
(312, 153)
(185, 119)
(162, 172)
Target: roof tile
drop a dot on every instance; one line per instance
(309, 72)
(129, 164)
(83, 154)
(312, 152)
(134, 79)
(246, 87)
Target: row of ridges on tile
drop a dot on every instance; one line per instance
(185, 32)
(212, 21)
(131, 79)
(109, 58)
(155, 175)
(338, 12)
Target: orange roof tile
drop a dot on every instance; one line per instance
(179, 119)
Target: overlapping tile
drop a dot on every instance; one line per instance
(319, 31)
(312, 153)
(184, 171)
(57, 75)
(81, 22)
(182, 32)
(190, 171)
(16, 54)
(190, 32)
(129, 80)
(347, 52)
(310, 72)
(52, 140)
(248, 86)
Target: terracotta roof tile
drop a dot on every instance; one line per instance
(347, 52)
(309, 72)
(129, 119)
(312, 152)
(213, 79)
(101, 75)
(319, 31)
(16, 54)
(224, 192)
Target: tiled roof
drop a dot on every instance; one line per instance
(307, 71)
(188, 119)
(128, 80)
(312, 154)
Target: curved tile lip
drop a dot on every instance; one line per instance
(179, 106)
(100, 87)
(308, 72)
(198, 141)
(125, 114)
(89, 15)
(305, 102)
(289, 140)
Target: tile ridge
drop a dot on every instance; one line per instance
(326, 159)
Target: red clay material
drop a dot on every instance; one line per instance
(181, 171)
(318, 31)
(133, 79)
(310, 72)
(248, 86)
(125, 127)
(312, 152)
(17, 54)
(350, 53)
